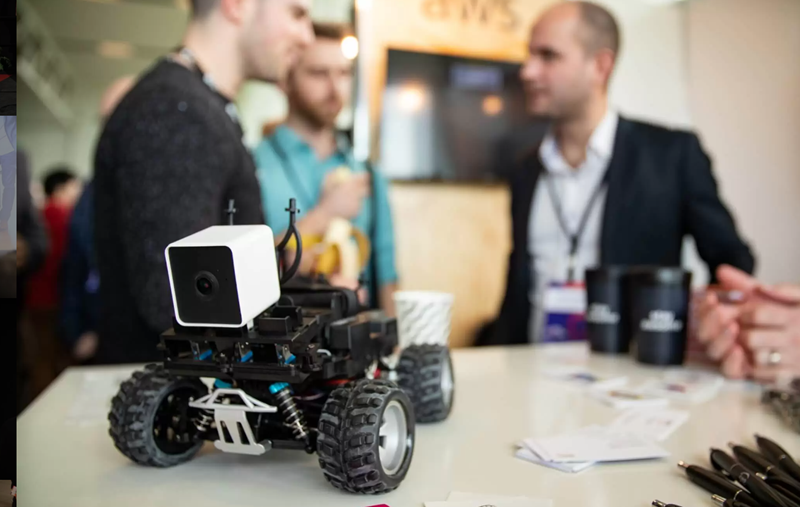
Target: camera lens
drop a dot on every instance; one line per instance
(206, 284)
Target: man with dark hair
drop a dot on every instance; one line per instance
(300, 158)
(600, 189)
(171, 156)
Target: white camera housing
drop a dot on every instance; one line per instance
(223, 276)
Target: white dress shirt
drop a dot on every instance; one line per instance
(548, 243)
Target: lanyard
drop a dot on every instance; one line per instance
(290, 172)
(230, 107)
(574, 237)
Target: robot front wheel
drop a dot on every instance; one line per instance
(151, 421)
(366, 436)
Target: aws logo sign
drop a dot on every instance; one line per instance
(497, 14)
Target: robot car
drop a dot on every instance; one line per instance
(295, 365)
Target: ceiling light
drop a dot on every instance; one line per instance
(413, 98)
(363, 5)
(350, 47)
(492, 105)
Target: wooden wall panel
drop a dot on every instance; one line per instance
(454, 238)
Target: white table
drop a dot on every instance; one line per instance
(501, 397)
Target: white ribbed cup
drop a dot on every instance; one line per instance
(423, 317)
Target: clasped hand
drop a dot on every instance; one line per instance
(758, 337)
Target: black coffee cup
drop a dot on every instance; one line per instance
(658, 309)
(605, 313)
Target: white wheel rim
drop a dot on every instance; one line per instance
(447, 382)
(393, 437)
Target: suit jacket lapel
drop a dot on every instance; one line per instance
(530, 175)
(619, 205)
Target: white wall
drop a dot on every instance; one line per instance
(745, 97)
(49, 143)
(650, 81)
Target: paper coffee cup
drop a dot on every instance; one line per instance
(423, 317)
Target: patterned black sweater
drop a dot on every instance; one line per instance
(167, 162)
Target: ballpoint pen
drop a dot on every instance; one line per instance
(766, 496)
(780, 486)
(717, 484)
(758, 463)
(659, 503)
(777, 455)
(728, 503)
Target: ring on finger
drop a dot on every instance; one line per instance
(774, 358)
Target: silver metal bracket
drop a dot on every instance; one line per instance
(233, 417)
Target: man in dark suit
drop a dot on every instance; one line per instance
(600, 188)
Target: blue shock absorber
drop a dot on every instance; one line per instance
(278, 387)
(294, 418)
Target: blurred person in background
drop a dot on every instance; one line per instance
(600, 188)
(62, 189)
(32, 247)
(171, 156)
(80, 281)
(758, 337)
(8, 165)
(8, 95)
(299, 159)
(8, 275)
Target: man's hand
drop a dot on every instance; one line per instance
(339, 281)
(307, 262)
(718, 328)
(86, 346)
(771, 331)
(759, 338)
(344, 199)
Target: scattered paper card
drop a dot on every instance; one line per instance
(484, 499)
(598, 445)
(656, 424)
(584, 378)
(487, 501)
(685, 386)
(526, 454)
(628, 398)
(458, 496)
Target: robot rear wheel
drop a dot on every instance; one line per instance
(425, 373)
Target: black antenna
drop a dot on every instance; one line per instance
(290, 231)
(230, 211)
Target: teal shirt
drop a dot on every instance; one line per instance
(277, 188)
